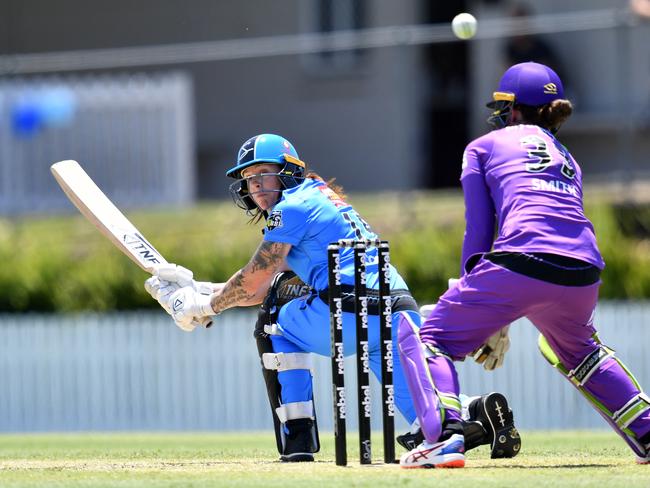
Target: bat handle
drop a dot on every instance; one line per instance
(205, 322)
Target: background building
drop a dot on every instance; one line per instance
(392, 117)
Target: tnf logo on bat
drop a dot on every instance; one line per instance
(274, 220)
(142, 248)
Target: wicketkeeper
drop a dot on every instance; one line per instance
(543, 264)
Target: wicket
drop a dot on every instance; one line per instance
(384, 311)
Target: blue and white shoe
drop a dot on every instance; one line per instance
(449, 453)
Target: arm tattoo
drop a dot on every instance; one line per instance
(232, 294)
(242, 287)
(269, 255)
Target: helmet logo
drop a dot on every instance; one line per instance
(243, 152)
(550, 89)
(285, 143)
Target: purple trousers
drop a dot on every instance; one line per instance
(490, 297)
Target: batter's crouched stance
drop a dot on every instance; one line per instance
(486, 419)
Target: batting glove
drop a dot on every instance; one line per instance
(182, 277)
(187, 306)
(167, 279)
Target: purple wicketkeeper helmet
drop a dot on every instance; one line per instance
(530, 83)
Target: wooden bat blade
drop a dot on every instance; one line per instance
(100, 211)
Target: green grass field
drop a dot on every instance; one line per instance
(192, 460)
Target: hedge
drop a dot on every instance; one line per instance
(65, 264)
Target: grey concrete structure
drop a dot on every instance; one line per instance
(382, 119)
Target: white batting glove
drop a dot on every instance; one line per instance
(493, 352)
(161, 290)
(187, 306)
(174, 273)
(170, 277)
(182, 276)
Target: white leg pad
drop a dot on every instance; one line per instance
(283, 361)
(295, 410)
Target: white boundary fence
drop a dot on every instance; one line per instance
(136, 371)
(136, 125)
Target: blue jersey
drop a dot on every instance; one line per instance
(309, 217)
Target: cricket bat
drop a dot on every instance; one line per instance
(100, 211)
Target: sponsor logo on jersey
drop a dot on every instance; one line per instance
(274, 220)
(332, 196)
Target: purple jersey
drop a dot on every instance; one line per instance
(526, 180)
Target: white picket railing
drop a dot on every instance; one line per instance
(136, 371)
(133, 134)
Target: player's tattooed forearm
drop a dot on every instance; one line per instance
(232, 294)
(269, 255)
(241, 289)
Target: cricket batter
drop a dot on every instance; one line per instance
(303, 214)
(543, 264)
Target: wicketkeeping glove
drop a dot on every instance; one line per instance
(493, 352)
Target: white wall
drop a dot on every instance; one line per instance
(139, 372)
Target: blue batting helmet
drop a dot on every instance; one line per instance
(260, 149)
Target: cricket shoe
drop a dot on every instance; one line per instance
(646, 458)
(495, 416)
(449, 453)
(475, 435)
(410, 440)
(298, 442)
(645, 444)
